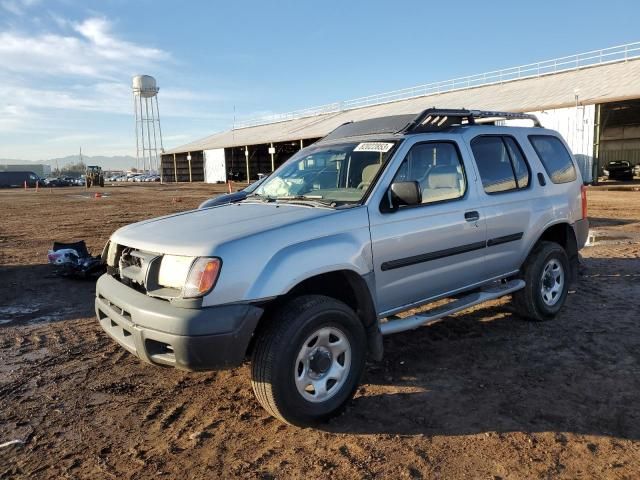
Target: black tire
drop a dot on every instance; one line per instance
(275, 363)
(529, 302)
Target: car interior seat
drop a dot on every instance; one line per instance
(443, 182)
(368, 173)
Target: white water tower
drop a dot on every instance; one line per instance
(148, 137)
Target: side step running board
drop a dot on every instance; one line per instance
(430, 316)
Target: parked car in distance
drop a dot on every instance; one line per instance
(70, 181)
(233, 196)
(56, 182)
(18, 179)
(619, 170)
(378, 218)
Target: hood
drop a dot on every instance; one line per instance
(199, 232)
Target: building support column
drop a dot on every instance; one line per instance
(272, 152)
(595, 168)
(175, 169)
(246, 156)
(301, 144)
(189, 160)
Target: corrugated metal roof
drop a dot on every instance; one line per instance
(597, 84)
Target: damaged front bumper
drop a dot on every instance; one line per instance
(160, 333)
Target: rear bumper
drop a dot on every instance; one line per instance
(581, 229)
(159, 333)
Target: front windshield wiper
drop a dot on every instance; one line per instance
(263, 198)
(307, 199)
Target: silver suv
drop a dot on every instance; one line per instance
(380, 217)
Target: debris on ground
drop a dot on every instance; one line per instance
(74, 260)
(11, 442)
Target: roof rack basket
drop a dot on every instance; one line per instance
(430, 120)
(438, 118)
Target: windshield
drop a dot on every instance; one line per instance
(332, 174)
(254, 185)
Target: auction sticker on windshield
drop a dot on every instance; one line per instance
(382, 147)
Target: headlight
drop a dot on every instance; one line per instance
(174, 270)
(109, 253)
(202, 277)
(194, 277)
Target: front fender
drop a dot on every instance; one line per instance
(298, 262)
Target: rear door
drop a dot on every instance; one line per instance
(505, 190)
(427, 250)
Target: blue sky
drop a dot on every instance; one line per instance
(66, 66)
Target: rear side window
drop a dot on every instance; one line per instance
(501, 164)
(555, 158)
(520, 167)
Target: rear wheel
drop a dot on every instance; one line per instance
(546, 277)
(307, 362)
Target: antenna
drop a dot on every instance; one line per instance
(145, 90)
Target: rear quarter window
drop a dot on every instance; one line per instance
(555, 158)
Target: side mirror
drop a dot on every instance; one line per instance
(405, 193)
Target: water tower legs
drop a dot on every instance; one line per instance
(147, 120)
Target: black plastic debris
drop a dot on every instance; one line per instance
(74, 260)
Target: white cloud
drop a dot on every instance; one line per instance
(103, 97)
(18, 7)
(63, 83)
(106, 46)
(14, 117)
(95, 52)
(75, 138)
(87, 68)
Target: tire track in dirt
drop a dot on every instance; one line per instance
(154, 410)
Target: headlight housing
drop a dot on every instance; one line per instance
(202, 277)
(194, 277)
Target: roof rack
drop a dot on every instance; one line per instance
(433, 119)
(373, 126)
(429, 120)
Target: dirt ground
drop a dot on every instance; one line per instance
(482, 394)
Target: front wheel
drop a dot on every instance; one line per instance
(308, 360)
(546, 283)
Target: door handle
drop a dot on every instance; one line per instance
(472, 216)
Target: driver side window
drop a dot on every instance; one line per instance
(437, 168)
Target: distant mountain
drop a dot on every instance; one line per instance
(123, 162)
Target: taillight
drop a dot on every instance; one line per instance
(583, 194)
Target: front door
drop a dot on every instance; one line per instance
(438, 246)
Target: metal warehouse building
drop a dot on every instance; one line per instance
(592, 99)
